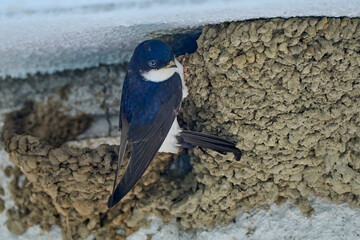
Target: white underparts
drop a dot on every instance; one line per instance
(170, 145)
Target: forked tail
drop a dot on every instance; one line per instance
(190, 139)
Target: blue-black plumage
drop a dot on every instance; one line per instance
(151, 98)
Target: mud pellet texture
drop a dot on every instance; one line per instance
(286, 90)
(2, 205)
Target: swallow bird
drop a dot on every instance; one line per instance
(152, 93)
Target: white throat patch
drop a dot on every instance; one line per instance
(159, 75)
(165, 73)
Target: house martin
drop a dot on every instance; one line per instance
(152, 93)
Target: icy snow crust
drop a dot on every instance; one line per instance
(284, 222)
(48, 36)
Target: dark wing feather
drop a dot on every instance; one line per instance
(147, 140)
(123, 142)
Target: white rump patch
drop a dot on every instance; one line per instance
(170, 145)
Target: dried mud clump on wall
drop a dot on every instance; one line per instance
(32, 206)
(286, 90)
(64, 185)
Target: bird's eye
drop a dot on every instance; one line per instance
(152, 63)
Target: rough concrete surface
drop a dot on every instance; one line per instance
(286, 90)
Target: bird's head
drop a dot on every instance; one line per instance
(154, 60)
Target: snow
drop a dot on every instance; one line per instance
(48, 36)
(330, 221)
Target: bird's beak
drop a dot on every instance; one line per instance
(171, 64)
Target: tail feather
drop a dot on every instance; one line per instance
(207, 137)
(192, 139)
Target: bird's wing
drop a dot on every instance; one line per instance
(123, 142)
(124, 127)
(147, 140)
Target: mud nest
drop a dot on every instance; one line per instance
(64, 185)
(287, 90)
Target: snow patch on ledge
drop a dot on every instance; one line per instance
(330, 221)
(43, 36)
